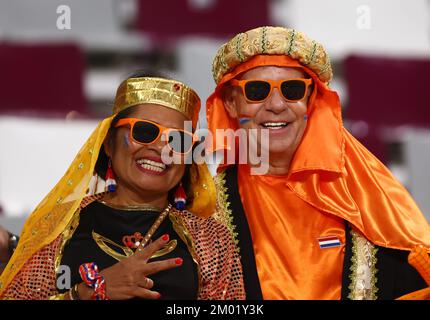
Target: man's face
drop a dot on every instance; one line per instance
(284, 120)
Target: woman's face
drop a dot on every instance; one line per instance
(139, 168)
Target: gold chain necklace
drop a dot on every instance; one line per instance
(144, 207)
(136, 240)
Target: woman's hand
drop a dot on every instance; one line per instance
(128, 278)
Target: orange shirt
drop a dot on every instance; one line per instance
(285, 232)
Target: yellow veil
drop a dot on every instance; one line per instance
(57, 209)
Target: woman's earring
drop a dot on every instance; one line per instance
(180, 197)
(110, 178)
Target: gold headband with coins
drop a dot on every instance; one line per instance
(272, 41)
(169, 93)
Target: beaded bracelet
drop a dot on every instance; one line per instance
(89, 273)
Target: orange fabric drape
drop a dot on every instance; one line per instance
(285, 232)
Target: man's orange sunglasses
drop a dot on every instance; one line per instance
(147, 132)
(258, 90)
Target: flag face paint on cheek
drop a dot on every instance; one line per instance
(244, 120)
(126, 140)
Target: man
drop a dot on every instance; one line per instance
(328, 220)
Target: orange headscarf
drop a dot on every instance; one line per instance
(333, 172)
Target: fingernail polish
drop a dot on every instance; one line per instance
(178, 261)
(158, 295)
(165, 237)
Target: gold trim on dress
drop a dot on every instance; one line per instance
(169, 247)
(128, 252)
(131, 207)
(363, 270)
(223, 213)
(183, 233)
(60, 296)
(65, 237)
(102, 243)
(67, 234)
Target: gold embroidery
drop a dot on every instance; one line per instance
(263, 40)
(60, 296)
(132, 208)
(223, 212)
(65, 237)
(223, 63)
(314, 49)
(103, 241)
(272, 41)
(70, 229)
(363, 276)
(291, 42)
(239, 47)
(169, 93)
(183, 233)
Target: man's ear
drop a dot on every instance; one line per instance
(230, 101)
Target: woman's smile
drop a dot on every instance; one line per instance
(152, 165)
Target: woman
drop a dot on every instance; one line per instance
(80, 243)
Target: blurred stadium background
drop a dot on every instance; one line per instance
(62, 60)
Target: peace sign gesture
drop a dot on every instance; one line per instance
(129, 278)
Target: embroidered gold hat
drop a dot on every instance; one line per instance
(272, 41)
(169, 93)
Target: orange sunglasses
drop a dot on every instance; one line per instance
(147, 132)
(258, 90)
